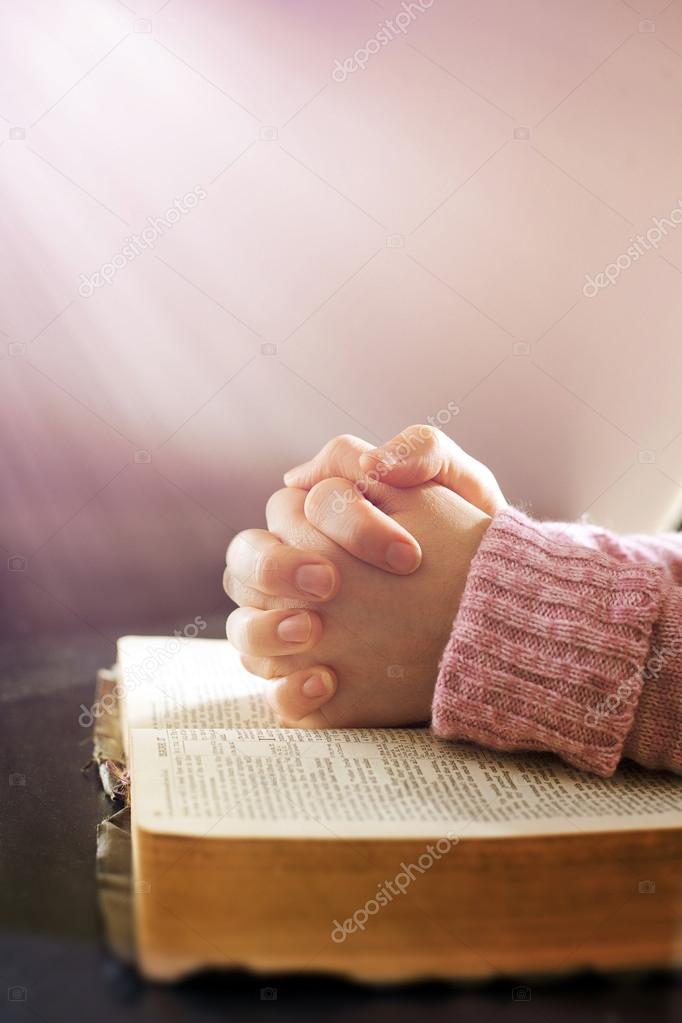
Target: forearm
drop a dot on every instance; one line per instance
(550, 647)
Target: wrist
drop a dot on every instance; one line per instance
(546, 647)
(468, 539)
(468, 546)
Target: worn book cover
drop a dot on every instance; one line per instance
(378, 853)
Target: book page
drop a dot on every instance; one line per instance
(369, 783)
(175, 682)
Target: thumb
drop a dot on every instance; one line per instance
(422, 453)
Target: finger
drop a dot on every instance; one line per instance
(338, 510)
(299, 697)
(422, 453)
(258, 560)
(339, 457)
(273, 667)
(362, 529)
(284, 513)
(271, 633)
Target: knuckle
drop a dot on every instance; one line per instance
(265, 571)
(269, 667)
(277, 704)
(275, 500)
(339, 443)
(427, 436)
(232, 630)
(329, 496)
(315, 502)
(284, 699)
(247, 633)
(231, 553)
(482, 475)
(255, 665)
(338, 448)
(230, 585)
(487, 478)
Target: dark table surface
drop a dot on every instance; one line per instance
(53, 965)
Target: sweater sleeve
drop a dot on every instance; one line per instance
(567, 640)
(664, 549)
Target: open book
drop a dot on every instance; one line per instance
(383, 854)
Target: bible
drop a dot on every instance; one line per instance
(379, 854)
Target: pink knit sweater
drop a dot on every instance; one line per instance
(569, 639)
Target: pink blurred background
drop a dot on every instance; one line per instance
(392, 209)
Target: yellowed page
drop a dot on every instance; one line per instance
(175, 682)
(360, 783)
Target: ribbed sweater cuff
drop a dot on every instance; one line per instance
(548, 647)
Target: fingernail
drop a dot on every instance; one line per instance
(386, 456)
(295, 628)
(402, 557)
(318, 685)
(293, 474)
(372, 460)
(317, 580)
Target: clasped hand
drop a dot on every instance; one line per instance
(347, 600)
